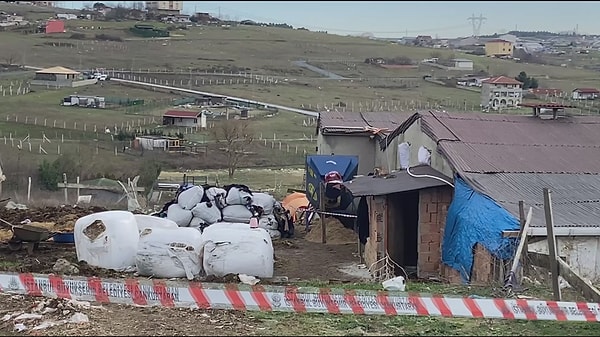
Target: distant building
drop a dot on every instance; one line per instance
(43, 3)
(547, 92)
(423, 40)
(55, 26)
(60, 77)
(498, 48)
(585, 93)
(165, 7)
(183, 118)
(501, 92)
(462, 64)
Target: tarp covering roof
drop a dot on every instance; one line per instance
(396, 182)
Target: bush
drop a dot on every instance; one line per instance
(106, 37)
(77, 36)
(49, 175)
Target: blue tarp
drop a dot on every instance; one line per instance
(475, 218)
(317, 166)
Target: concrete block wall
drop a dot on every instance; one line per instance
(433, 208)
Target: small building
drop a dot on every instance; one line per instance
(60, 77)
(501, 92)
(462, 64)
(84, 101)
(423, 40)
(183, 118)
(354, 133)
(164, 7)
(64, 16)
(55, 26)
(152, 142)
(585, 93)
(498, 48)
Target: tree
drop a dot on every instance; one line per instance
(236, 136)
(528, 82)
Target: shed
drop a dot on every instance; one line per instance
(402, 214)
(585, 93)
(55, 26)
(60, 77)
(185, 118)
(498, 160)
(462, 64)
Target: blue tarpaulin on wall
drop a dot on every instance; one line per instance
(317, 166)
(475, 218)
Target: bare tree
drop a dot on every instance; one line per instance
(236, 136)
(10, 59)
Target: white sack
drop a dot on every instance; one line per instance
(236, 213)
(424, 156)
(237, 197)
(208, 212)
(274, 233)
(217, 195)
(196, 222)
(234, 248)
(166, 253)
(190, 197)
(107, 239)
(150, 221)
(264, 200)
(403, 155)
(180, 216)
(268, 222)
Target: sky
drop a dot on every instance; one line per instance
(394, 19)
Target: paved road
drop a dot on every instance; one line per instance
(326, 73)
(266, 105)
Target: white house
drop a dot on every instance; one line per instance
(585, 93)
(463, 64)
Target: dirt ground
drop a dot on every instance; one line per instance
(296, 259)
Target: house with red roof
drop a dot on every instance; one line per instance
(501, 92)
(585, 93)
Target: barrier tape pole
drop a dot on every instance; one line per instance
(144, 292)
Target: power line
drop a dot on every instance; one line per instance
(476, 22)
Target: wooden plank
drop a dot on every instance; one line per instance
(322, 216)
(588, 291)
(551, 244)
(524, 228)
(91, 187)
(517, 257)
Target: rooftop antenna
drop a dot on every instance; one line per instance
(476, 21)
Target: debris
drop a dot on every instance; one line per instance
(28, 316)
(20, 327)
(246, 279)
(65, 267)
(395, 284)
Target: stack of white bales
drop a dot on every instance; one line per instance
(235, 205)
(158, 247)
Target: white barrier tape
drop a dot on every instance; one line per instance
(144, 292)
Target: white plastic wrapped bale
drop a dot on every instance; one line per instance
(197, 223)
(150, 221)
(234, 248)
(268, 222)
(167, 253)
(274, 234)
(107, 239)
(265, 201)
(189, 198)
(235, 196)
(180, 216)
(217, 195)
(236, 213)
(207, 211)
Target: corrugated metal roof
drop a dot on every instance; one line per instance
(182, 114)
(521, 158)
(501, 80)
(396, 182)
(336, 121)
(575, 197)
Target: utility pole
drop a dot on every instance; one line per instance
(476, 21)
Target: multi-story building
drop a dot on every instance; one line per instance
(498, 48)
(165, 7)
(501, 92)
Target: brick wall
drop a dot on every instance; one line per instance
(374, 247)
(433, 207)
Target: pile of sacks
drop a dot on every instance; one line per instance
(201, 206)
(159, 247)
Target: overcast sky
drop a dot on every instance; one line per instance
(401, 18)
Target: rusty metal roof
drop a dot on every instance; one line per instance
(484, 143)
(338, 121)
(575, 198)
